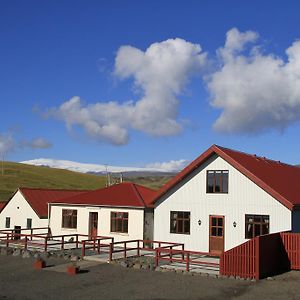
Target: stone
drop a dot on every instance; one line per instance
(179, 271)
(67, 257)
(75, 258)
(3, 251)
(157, 269)
(270, 278)
(26, 254)
(145, 267)
(124, 264)
(137, 266)
(36, 255)
(17, 252)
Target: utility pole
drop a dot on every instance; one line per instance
(2, 165)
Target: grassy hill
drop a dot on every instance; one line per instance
(21, 175)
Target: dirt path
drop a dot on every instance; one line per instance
(18, 280)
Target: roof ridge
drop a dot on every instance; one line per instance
(264, 158)
(139, 195)
(51, 189)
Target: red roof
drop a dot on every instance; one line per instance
(39, 198)
(125, 194)
(2, 204)
(280, 180)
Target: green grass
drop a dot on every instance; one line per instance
(21, 175)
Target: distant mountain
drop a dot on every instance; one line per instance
(98, 169)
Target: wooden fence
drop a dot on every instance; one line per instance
(262, 256)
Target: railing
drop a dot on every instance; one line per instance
(16, 232)
(140, 245)
(44, 241)
(183, 256)
(23, 239)
(95, 244)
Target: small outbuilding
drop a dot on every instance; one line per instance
(121, 211)
(226, 197)
(28, 207)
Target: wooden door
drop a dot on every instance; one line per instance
(216, 234)
(93, 232)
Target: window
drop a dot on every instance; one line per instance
(69, 218)
(217, 226)
(119, 222)
(29, 223)
(180, 222)
(7, 222)
(217, 182)
(256, 225)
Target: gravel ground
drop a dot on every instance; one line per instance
(18, 280)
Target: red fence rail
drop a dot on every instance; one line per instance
(140, 245)
(182, 256)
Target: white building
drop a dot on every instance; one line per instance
(28, 208)
(120, 211)
(225, 197)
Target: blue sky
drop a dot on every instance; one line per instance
(53, 51)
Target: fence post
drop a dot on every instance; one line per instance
(110, 251)
(188, 261)
(98, 246)
(76, 241)
(62, 242)
(171, 254)
(25, 245)
(257, 258)
(7, 239)
(83, 248)
(182, 246)
(125, 249)
(138, 247)
(31, 233)
(156, 257)
(46, 243)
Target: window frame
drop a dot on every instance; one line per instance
(116, 220)
(69, 218)
(7, 222)
(261, 223)
(214, 182)
(29, 220)
(183, 219)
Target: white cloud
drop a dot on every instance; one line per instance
(172, 166)
(160, 73)
(7, 143)
(253, 90)
(169, 166)
(38, 143)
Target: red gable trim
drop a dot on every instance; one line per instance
(222, 153)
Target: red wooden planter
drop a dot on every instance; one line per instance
(72, 270)
(39, 264)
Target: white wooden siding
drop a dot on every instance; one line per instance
(19, 210)
(244, 197)
(135, 221)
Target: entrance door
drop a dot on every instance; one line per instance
(216, 234)
(93, 232)
(17, 231)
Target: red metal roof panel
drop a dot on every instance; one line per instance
(123, 194)
(39, 198)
